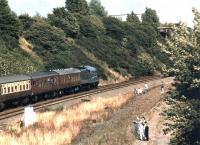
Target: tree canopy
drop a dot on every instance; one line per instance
(97, 9)
(150, 17)
(184, 101)
(64, 20)
(77, 6)
(10, 28)
(26, 21)
(133, 18)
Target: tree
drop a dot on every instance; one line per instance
(197, 24)
(91, 26)
(97, 9)
(184, 101)
(150, 17)
(114, 27)
(26, 21)
(77, 6)
(133, 18)
(9, 24)
(64, 20)
(48, 42)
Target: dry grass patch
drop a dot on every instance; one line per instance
(61, 127)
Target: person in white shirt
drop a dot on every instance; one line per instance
(136, 127)
(146, 88)
(141, 130)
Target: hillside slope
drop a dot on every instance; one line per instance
(69, 38)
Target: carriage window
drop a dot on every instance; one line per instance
(8, 89)
(40, 85)
(15, 88)
(34, 83)
(24, 87)
(20, 87)
(27, 86)
(12, 89)
(64, 79)
(54, 80)
(4, 90)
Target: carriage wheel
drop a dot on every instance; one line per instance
(25, 101)
(35, 99)
(2, 106)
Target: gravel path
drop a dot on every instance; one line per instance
(117, 129)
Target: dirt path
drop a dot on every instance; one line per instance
(156, 122)
(117, 129)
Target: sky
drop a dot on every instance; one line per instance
(167, 10)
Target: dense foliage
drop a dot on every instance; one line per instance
(9, 24)
(64, 20)
(150, 17)
(97, 9)
(184, 112)
(79, 34)
(12, 59)
(133, 18)
(52, 46)
(77, 6)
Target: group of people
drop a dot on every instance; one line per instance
(141, 129)
(140, 125)
(140, 91)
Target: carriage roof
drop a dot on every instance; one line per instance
(44, 74)
(67, 71)
(14, 78)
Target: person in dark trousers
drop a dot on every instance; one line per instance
(162, 87)
(146, 131)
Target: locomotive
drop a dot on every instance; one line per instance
(29, 88)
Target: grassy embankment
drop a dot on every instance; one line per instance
(61, 127)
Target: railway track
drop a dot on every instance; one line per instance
(44, 104)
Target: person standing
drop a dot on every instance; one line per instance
(146, 132)
(136, 128)
(162, 87)
(141, 130)
(146, 88)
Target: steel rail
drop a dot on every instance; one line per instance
(41, 105)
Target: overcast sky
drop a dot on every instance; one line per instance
(167, 10)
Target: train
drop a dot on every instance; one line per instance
(29, 88)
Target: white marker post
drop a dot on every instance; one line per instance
(29, 116)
